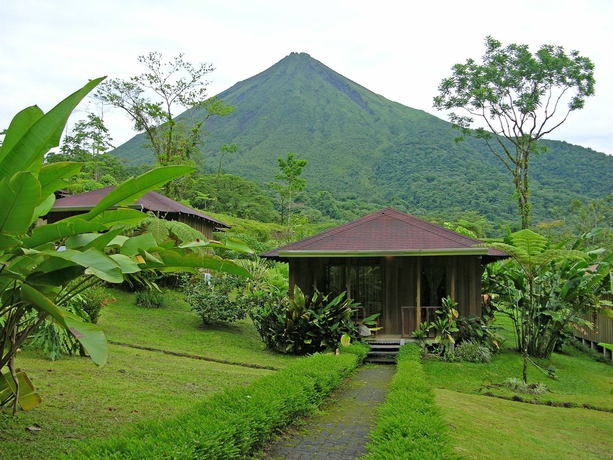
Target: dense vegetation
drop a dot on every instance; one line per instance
(368, 152)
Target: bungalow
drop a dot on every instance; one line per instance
(393, 264)
(162, 206)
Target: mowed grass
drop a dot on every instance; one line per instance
(484, 427)
(82, 401)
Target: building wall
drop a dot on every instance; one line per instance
(601, 333)
(402, 284)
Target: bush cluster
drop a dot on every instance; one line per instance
(149, 298)
(471, 352)
(217, 299)
(306, 323)
(235, 423)
(409, 425)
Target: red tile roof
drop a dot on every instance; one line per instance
(151, 201)
(384, 232)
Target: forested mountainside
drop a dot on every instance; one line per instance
(362, 146)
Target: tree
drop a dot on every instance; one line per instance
(36, 277)
(544, 289)
(521, 98)
(176, 84)
(291, 169)
(226, 148)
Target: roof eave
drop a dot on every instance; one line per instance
(384, 253)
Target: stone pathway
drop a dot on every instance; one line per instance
(340, 432)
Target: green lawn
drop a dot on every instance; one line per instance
(484, 427)
(81, 401)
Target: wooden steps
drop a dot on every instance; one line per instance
(383, 351)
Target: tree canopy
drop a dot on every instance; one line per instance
(520, 97)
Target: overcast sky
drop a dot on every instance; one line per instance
(399, 49)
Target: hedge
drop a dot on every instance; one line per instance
(409, 425)
(236, 422)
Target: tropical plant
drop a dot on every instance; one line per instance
(307, 324)
(544, 290)
(38, 265)
(445, 325)
(472, 352)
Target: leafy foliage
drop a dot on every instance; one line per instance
(472, 352)
(544, 290)
(36, 278)
(149, 298)
(519, 97)
(216, 299)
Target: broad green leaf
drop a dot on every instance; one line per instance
(126, 264)
(58, 277)
(99, 264)
(43, 208)
(88, 334)
(177, 260)
(52, 177)
(132, 246)
(18, 199)
(95, 262)
(60, 230)
(86, 241)
(28, 152)
(20, 124)
(135, 187)
(7, 241)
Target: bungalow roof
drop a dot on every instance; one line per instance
(384, 233)
(151, 201)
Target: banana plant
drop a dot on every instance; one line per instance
(37, 262)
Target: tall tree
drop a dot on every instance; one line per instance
(176, 84)
(87, 140)
(520, 97)
(291, 182)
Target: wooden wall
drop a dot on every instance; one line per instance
(603, 330)
(402, 282)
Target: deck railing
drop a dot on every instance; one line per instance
(409, 318)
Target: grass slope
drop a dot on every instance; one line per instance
(82, 401)
(492, 427)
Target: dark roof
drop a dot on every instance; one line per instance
(386, 232)
(151, 201)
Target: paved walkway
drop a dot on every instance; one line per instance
(340, 432)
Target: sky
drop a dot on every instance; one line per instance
(398, 49)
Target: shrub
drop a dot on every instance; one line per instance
(306, 324)
(149, 298)
(409, 425)
(216, 299)
(92, 300)
(233, 424)
(472, 352)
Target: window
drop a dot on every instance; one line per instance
(363, 284)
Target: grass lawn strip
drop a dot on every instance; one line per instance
(235, 422)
